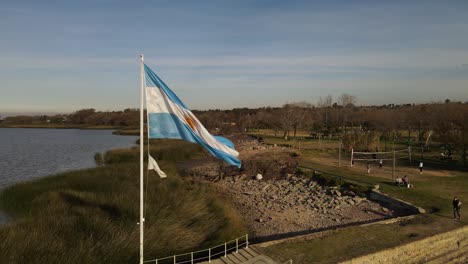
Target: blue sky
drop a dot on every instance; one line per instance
(62, 56)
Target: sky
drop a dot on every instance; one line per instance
(62, 56)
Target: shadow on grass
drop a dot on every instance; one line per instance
(112, 211)
(262, 239)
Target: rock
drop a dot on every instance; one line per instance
(357, 200)
(259, 177)
(376, 187)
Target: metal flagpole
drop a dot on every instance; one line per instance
(142, 220)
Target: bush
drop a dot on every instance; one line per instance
(363, 141)
(98, 159)
(327, 180)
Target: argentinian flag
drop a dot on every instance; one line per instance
(168, 117)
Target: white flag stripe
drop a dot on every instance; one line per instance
(158, 102)
(153, 165)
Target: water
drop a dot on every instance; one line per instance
(27, 154)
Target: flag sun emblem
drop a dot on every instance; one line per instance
(190, 122)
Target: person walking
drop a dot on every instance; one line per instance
(421, 167)
(456, 208)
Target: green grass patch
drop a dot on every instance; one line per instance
(433, 193)
(343, 244)
(90, 216)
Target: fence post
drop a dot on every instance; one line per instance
(191, 258)
(247, 241)
(339, 154)
(409, 153)
(156, 261)
(175, 259)
(209, 255)
(352, 154)
(237, 245)
(225, 249)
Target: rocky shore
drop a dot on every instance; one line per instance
(282, 202)
(278, 207)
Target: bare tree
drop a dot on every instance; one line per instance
(286, 113)
(347, 103)
(325, 104)
(299, 112)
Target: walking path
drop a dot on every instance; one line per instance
(245, 256)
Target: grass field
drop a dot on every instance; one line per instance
(90, 216)
(434, 190)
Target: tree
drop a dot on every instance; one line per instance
(82, 116)
(452, 127)
(347, 103)
(325, 104)
(292, 116)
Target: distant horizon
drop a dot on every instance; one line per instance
(32, 113)
(62, 56)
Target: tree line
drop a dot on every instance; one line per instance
(339, 118)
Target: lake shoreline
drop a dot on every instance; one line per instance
(63, 127)
(34, 153)
(121, 131)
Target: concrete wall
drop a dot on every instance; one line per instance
(449, 247)
(394, 203)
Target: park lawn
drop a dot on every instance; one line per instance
(90, 216)
(433, 193)
(346, 243)
(323, 145)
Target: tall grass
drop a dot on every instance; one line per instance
(90, 216)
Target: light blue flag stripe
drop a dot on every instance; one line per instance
(225, 141)
(166, 125)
